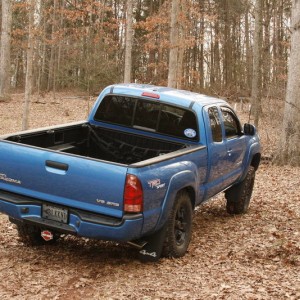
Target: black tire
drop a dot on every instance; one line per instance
(178, 227)
(30, 235)
(238, 196)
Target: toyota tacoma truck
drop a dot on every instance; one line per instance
(133, 172)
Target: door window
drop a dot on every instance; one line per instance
(231, 123)
(215, 124)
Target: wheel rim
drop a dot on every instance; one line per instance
(180, 227)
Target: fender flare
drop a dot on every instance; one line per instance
(179, 181)
(254, 150)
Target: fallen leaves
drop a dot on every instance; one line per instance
(253, 256)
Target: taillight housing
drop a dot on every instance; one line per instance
(133, 195)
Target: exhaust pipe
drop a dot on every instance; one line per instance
(137, 244)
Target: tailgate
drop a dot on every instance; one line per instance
(63, 179)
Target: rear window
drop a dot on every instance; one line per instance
(118, 110)
(148, 115)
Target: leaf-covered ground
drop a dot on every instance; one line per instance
(253, 256)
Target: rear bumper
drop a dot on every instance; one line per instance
(81, 223)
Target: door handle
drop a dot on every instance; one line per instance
(57, 165)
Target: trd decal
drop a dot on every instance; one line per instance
(155, 183)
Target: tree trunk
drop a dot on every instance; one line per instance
(181, 49)
(266, 54)
(289, 152)
(227, 66)
(53, 54)
(5, 48)
(201, 53)
(256, 79)
(173, 54)
(248, 51)
(29, 67)
(128, 43)
(180, 64)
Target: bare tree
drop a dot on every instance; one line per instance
(289, 152)
(173, 54)
(128, 43)
(256, 79)
(29, 66)
(53, 53)
(5, 48)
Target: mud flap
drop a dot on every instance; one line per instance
(152, 251)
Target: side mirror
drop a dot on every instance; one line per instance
(249, 129)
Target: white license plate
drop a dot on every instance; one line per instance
(55, 213)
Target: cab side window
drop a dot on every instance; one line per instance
(215, 124)
(231, 123)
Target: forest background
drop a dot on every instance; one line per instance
(234, 49)
(57, 55)
(81, 44)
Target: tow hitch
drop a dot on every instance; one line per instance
(47, 235)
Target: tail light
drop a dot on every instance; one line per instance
(133, 195)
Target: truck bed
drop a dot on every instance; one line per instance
(98, 143)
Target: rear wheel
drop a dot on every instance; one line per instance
(238, 196)
(173, 239)
(179, 227)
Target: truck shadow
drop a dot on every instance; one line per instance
(210, 223)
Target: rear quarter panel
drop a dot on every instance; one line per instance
(162, 181)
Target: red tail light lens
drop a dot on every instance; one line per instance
(133, 195)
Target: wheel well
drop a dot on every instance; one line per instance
(256, 160)
(191, 193)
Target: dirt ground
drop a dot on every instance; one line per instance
(253, 256)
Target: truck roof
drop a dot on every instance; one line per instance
(166, 94)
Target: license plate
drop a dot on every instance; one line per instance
(55, 213)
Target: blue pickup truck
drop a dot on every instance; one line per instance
(133, 172)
